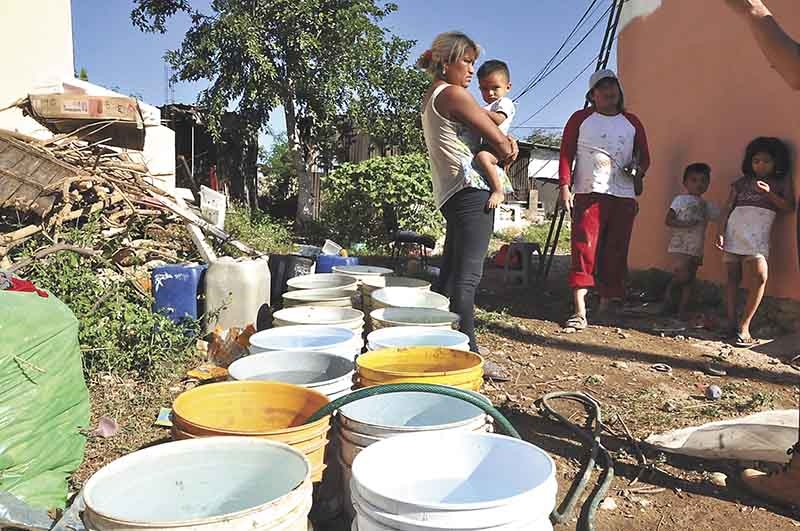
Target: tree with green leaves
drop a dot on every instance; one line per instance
(316, 59)
(83, 75)
(279, 180)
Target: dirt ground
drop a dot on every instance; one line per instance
(613, 362)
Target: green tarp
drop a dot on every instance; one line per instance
(44, 402)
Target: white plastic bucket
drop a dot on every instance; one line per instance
(429, 317)
(453, 480)
(320, 315)
(318, 297)
(408, 298)
(361, 272)
(369, 420)
(320, 281)
(327, 373)
(211, 483)
(371, 518)
(417, 336)
(335, 340)
(331, 247)
(371, 284)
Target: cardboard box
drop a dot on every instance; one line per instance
(64, 113)
(83, 107)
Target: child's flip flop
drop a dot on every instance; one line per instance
(744, 341)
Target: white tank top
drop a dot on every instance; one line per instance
(445, 149)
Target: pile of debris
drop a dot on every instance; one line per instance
(48, 184)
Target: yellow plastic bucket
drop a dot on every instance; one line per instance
(420, 365)
(470, 385)
(269, 410)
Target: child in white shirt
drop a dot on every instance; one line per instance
(688, 217)
(494, 80)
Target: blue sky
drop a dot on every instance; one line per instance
(524, 33)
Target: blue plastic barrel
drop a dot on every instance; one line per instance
(326, 262)
(176, 290)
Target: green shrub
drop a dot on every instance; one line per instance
(537, 233)
(256, 229)
(355, 196)
(118, 332)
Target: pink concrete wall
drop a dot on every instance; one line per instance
(694, 75)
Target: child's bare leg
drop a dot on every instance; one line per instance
(680, 276)
(487, 164)
(755, 273)
(734, 270)
(686, 289)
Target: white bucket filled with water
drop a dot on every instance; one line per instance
(399, 297)
(336, 340)
(320, 315)
(322, 281)
(453, 480)
(369, 420)
(417, 336)
(327, 373)
(430, 317)
(205, 484)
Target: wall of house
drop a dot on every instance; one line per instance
(696, 78)
(36, 39)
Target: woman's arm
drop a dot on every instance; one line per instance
(457, 104)
(781, 50)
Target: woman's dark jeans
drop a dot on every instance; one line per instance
(469, 227)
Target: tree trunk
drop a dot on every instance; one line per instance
(305, 191)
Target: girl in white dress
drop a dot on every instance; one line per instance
(754, 201)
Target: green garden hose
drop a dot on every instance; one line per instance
(590, 439)
(454, 392)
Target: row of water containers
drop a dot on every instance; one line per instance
(424, 481)
(401, 461)
(246, 457)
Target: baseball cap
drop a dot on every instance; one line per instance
(599, 76)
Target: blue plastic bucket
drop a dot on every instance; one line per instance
(326, 262)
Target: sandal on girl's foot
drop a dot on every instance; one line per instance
(576, 322)
(743, 341)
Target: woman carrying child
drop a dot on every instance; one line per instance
(463, 196)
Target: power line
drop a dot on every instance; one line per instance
(532, 81)
(594, 27)
(535, 80)
(559, 93)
